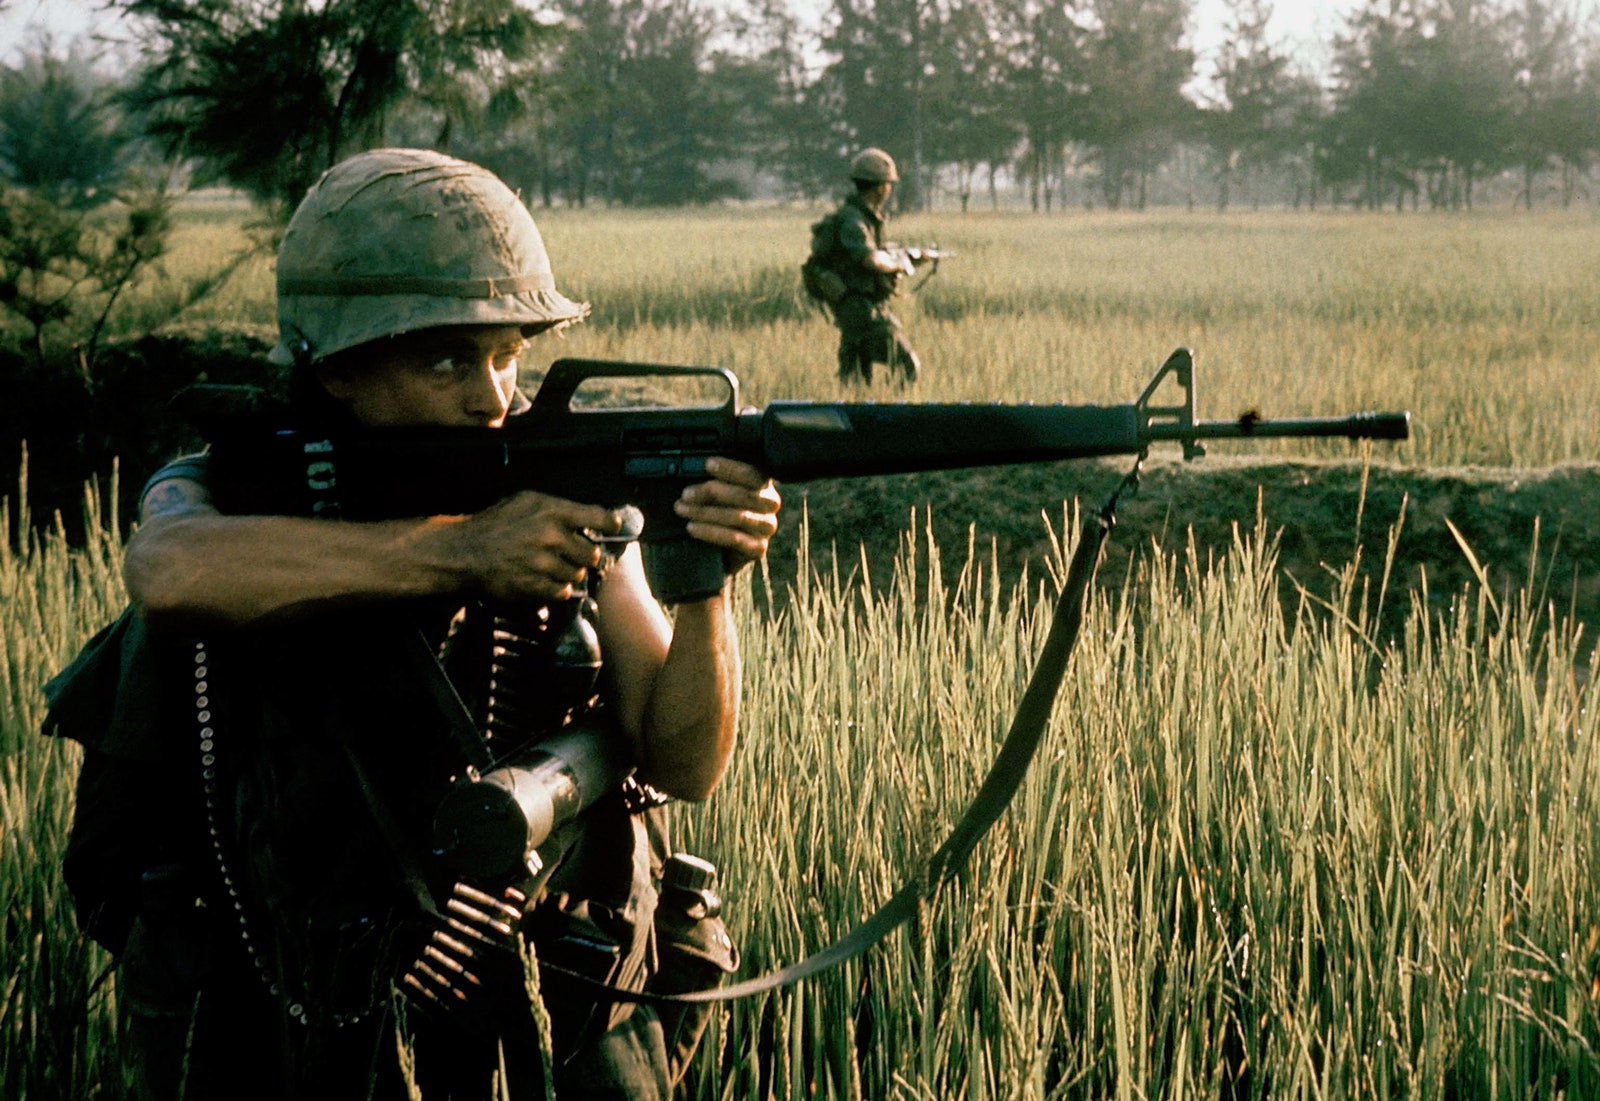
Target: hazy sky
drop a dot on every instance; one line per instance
(1304, 27)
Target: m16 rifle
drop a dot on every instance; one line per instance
(913, 256)
(910, 258)
(644, 455)
(647, 455)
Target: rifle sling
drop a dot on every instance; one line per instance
(994, 794)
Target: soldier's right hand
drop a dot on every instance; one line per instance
(534, 546)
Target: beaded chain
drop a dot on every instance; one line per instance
(208, 765)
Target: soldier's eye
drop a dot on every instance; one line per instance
(445, 367)
(506, 358)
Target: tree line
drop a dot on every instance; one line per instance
(633, 102)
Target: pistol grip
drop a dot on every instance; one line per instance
(683, 569)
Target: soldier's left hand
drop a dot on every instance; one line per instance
(736, 510)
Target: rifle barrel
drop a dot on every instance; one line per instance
(1356, 426)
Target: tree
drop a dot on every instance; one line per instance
(793, 122)
(1423, 88)
(65, 268)
(664, 147)
(59, 134)
(1553, 111)
(1374, 91)
(1262, 104)
(1579, 142)
(885, 51)
(972, 122)
(1044, 45)
(1132, 109)
(273, 92)
(1460, 127)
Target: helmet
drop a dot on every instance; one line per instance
(874, 166)
(395, 240)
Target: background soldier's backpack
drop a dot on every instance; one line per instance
(821, 282)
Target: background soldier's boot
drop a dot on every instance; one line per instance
(906, 364)
(854, 367)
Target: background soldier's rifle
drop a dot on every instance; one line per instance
(913, 257)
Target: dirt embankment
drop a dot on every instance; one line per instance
(1519, 524)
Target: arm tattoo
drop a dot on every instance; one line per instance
(174, 497)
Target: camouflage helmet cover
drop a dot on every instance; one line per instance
(874, 166)
(395, 240)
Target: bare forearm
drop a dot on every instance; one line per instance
(206, 568)
(692, 716)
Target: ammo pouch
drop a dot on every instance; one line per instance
(589, 939)
(694, 952)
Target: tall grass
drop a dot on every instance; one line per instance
(1265, 852)
(57, 1038)
(1481, 325)
(1262, 855)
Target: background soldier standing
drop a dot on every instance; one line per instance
(849, 245)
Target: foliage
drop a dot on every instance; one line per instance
(1044, 52)
(1265, 108)
(662, 102)
(642, 121)
(73, 426)
(1229, 769)
(971, 121)
(802, 132)
(81, 293)
(64, 269)
(271, 94)
(59, 136)
(1256, 831)
(1555, 91)
(61, 1040)
(1131, 110)
(1432, 95)
(887, 56)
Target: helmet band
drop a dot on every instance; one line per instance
(350, 286)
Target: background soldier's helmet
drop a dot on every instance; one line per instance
(874, 166)
(395, 240)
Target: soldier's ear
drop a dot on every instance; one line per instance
(340, 377)
(332, 379)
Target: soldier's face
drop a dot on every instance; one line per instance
(457, 375)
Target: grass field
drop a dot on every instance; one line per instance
(1269, 851)
(1482, 325)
